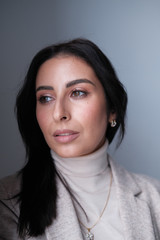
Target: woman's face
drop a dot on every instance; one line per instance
(71, 106)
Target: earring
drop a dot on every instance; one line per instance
(113, 123)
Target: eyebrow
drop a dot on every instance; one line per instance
(69, 84)
(44, 88)
(77, 81)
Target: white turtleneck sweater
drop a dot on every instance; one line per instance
(89, 178)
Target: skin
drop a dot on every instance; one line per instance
(71, 106)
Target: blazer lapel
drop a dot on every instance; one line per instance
(134, 211)
(66, 225)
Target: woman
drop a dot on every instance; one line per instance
(69, 109)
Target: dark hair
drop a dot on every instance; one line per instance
(39, 174)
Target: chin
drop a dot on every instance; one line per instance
(67, 152)
(72, 153)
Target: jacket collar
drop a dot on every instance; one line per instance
(66, 225)
(134, 210)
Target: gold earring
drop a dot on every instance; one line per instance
(113, 123)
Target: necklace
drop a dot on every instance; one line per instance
(89, 235)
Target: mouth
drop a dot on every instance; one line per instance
(65, 136)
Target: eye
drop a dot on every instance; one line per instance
(78, 94)
(44, 99)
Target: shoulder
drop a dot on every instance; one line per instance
(10, 186)
(150, 186)
(9, 206)
(146, 181)
(134, 182)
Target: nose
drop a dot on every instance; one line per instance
(61, 111)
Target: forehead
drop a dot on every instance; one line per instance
(66, 68)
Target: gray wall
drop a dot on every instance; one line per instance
(127, 31)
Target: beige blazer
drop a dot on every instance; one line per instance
(138, 197)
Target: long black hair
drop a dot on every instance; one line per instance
(38, 188)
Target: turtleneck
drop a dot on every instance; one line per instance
(88, 178)
(85, 173)
(84, 166)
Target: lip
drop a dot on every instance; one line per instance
(65, 135)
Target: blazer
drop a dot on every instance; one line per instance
(139, 203)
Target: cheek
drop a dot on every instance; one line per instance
(42, 119)
(94, 117)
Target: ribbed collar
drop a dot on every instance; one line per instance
(84, 166)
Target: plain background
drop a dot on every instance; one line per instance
(129, 34)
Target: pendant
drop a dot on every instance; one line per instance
(89, 235)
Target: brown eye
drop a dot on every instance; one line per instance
(78, 93)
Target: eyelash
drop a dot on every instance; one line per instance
(81, 93)
(43, 99)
